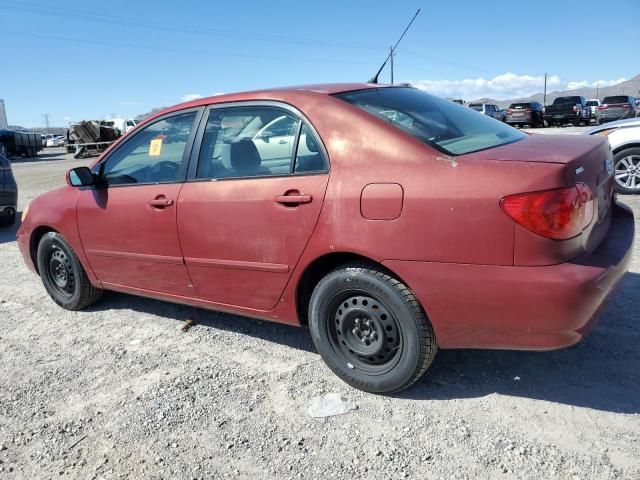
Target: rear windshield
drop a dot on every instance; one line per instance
(519, 106)
(592, 103)
(445, 125)
(476, 106)
(616, 99)
(566, 101)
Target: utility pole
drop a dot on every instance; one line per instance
(46, 120)
(597, 89)
(545, 89)
(391, 54)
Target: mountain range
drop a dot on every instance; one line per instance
(628, 87)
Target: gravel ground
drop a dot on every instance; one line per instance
(120, 391)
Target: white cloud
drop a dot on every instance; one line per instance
(502, 87)
(508, 85)
(601, 83)
(191, 96)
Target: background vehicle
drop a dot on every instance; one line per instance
(123, 124)
(529, 113)
(616, 107)
(55, 141)
(572, 109)
(8, 193)
(624, 138)
(19, 144)
(593, 104)
(488, 109)
(348, 253)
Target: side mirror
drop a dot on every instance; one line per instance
(81, 177)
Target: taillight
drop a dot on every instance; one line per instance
(527, 110)
(558, 214)
(509, 111)
(625, 105)
(603, 107)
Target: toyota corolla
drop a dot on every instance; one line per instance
(390, 222)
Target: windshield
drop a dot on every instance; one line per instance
(444, 125)
(592, 103)
(616, 99)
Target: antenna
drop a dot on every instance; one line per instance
(374, 79)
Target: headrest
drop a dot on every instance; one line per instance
(244, 155)
(312, 145)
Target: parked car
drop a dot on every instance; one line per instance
(617, 107)
(572, 109)
(488, 109)
(593, 104)
(8, 193)
(624, 138)
(55, 141)
(396, 223)
(527, 113)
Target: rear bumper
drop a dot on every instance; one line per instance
(528, 308)
(607, 116)
(513, 120)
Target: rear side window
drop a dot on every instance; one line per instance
(244, 142)
(616, 99)
(475, 106)
(447, 126)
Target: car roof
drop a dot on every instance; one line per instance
(282, 94)
(629, 122)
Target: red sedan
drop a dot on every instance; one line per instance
(389, 221)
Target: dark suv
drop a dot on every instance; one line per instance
(529, 113)
(8, 193)
(616, 107)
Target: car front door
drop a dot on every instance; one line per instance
(245, 216)
(127, 223)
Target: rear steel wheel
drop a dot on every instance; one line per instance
(370, 329)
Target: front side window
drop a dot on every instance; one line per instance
(153, 155)
(444, 125)
(241, 142)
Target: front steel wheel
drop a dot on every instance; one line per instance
(370, 329)
(62, 274)
(627, 171)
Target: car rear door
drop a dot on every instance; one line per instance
(128, 225)
(244, 223)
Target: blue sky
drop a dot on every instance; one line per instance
(78, 60)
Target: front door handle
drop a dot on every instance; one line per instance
(293, 199)
(161, 202)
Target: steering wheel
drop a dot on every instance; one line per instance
(163, 171)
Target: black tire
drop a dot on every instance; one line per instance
(62, 274)
(370, 329)
(627, 160)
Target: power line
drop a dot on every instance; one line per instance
(314, 60)
(43, 10)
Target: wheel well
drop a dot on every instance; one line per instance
(36, 236)
(318, 269)
(625, 147)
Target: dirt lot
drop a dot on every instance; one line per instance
(120, 391)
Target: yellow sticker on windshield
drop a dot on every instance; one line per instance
(155, 147)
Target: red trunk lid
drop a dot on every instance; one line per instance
(587, 159)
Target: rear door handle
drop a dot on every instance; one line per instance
(161, 202)
(296, 199)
